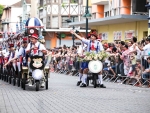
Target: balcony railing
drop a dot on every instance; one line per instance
(98, 2)
(6, 21)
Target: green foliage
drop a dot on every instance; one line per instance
(1, 9)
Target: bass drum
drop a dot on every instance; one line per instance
(95, 66)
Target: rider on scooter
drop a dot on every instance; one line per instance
(35, 48)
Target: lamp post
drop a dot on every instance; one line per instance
(87, 15)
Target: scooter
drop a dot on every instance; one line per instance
(37, 77)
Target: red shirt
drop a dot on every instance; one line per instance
(93, 47)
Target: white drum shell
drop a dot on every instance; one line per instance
(95, 66)
(37, 74)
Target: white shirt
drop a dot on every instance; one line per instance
(5, 53)
(80, 49)
(1, 52)
(132, 48)
(146, 49)
(38, 52)
(20, 52)
(16, 52)
(11, 56)
(137, 50)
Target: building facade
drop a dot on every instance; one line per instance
(118, 19)
(14, 15)
(56, 15)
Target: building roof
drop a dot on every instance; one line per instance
(19, 4)
(65, 30)
(111, 20)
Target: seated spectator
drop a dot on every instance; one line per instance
(137, 75)
(146, 73)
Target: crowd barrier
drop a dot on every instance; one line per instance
(71, 66)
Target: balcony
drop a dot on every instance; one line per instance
(5, 21)
(99, 2)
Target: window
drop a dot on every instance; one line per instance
(48, 19)
(107, 14)
(115, 12)
(94, 15)
(72, 18)
(55, 22)
(48, 24)
(41, 20)
(71, 1)
(54, 1)
(65, 1)
(48, 1)
(74, 1)
(41, 3)
(41, 13)
(64, 22)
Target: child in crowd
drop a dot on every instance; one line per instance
(133, 63)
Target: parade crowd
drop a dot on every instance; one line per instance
(128, 62)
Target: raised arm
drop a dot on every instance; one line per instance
(78, 36)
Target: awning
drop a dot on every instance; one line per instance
(111, 20)
(65, 30)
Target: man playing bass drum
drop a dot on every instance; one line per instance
(92, 46)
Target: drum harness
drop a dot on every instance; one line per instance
(96, 46)
(38, 51)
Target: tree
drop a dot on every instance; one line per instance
(1, 10)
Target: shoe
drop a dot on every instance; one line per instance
(30, 74)
(42, 84)
(83, 85)
(30, 83)
(78, 83)
(102, 86)
(98, 85)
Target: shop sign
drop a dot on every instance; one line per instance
(117, 35)
(129, 34)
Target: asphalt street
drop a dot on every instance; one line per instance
(63, 96)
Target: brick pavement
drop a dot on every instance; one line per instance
(63, 96)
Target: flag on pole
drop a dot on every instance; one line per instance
(20, 26)
(11, 32)
(3, 36)
(6, 35)
(17, 28)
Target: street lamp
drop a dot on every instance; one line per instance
(69, 21)
(87, 15)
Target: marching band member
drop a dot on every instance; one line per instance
(6, 55)
(1, 60)
(35, 47)
(20, 52)
(11, 55)
(92, 46)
